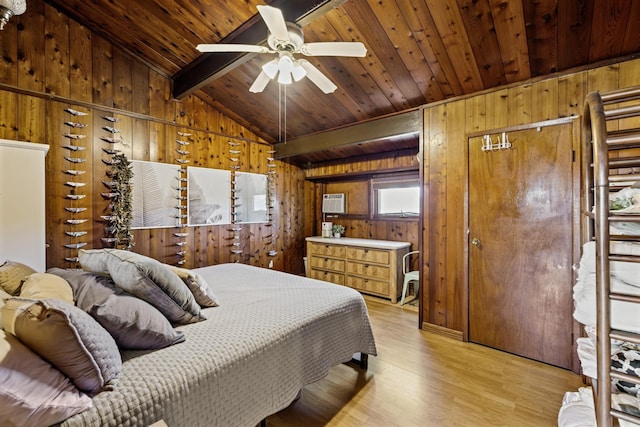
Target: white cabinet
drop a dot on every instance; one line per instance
(22, 203)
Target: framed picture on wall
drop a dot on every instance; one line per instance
(208, 196)
(155, 191)
(251, 197)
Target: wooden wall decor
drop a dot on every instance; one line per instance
(181, 231)
(110, 140)
(235, 245)
(271, 199)
(76, 172)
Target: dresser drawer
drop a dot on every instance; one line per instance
(324, 263)
(327, 250)
(370, 270)
(371, 255)
(327, 276)
(368, 285)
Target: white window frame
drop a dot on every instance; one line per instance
(402, 181)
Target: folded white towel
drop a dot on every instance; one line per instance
(628, 272)
(577, 409)
(624, 315)
(587, 356)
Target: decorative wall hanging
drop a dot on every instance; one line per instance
(251, 197)
(110, 194)
(271, 199)
(74, 150)
(156, 187)
(183, 142)
(121, 175)
(236, 205)
(208, 196)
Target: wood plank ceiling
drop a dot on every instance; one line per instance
(419, 51)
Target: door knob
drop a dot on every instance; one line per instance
(475, 241)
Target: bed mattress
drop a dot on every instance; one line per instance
(272, 334)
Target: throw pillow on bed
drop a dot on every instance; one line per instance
(197, 285)
(132, 322)
(3, 297)
(11, 276)
(68, 338)
(147, 279)
(46, 286)
(32, 392)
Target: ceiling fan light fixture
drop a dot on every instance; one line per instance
(286, 39)
(8, 8)
(298, 72)
(285, 78)
(285, 68)
(271, 68)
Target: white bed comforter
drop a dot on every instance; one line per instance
(272, 334)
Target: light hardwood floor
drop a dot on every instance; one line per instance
(423, 379)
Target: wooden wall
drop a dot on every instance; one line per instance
(351, 176)
(51, 63)
(445, 151)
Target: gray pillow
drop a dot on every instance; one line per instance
(68, 338)
(34, 393)
(149, 280)
(197, 285)
(132, 322)
(94, 260)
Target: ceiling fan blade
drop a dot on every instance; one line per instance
(317, 77)
(260, 82)
(232, 48)
(334, 49)
(275, 22)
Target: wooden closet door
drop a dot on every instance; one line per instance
(520, 244)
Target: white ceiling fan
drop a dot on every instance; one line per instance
(287, 39)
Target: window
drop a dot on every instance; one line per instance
(396, 197)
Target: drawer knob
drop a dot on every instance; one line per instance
(366, 266)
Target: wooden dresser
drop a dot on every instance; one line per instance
(370, 266)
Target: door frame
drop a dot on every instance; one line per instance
(577, 230)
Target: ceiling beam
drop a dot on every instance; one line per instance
(407, 123)
(209, 66)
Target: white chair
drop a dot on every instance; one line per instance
(409, 276)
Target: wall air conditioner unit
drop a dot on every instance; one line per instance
(334, 203)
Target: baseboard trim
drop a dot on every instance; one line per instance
(441, 330)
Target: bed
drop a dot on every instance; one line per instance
(607, 290)
(272, 334)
